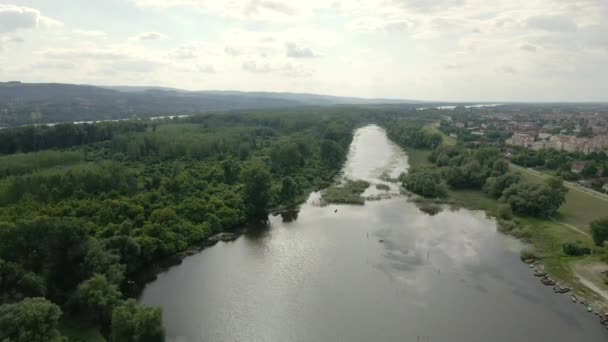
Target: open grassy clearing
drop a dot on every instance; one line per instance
(581, 207)
(447, 140)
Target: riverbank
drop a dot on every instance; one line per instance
(545, 237)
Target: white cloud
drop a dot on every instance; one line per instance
(552, 23)
(13, 18)
(295, 51)
(150, 36)
(258, 68)
(528, 47)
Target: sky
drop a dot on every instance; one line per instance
(450, 50)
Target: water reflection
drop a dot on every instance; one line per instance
(384, 271)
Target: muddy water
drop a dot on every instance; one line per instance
(381, 272)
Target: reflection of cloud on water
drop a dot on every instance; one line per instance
(449, 244)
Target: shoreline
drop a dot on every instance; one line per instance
(545, 237)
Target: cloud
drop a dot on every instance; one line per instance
(257, 6)
(552, 23)
(86, 54)
(451, 66)
(506, 69)
(184, 52)
(257, 68)
(206, 68)
(150, 36)
(93, 34)
(295, 51)
(53, 65)
(528, 47)
(291, 70)
(232, 51)
(13, 18)
(429, 5)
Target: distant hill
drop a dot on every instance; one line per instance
(35, 103)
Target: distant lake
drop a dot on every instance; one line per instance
(385, 271)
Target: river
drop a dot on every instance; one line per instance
(384, 271)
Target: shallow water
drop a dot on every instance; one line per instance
(321, 275)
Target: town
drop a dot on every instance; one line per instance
(570, 140)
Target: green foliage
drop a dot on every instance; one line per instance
(405, 134)
(346, 193)
(599, 230)
(32, 319)
(96, 298)
(575, 249)
(535, 199)
(257, 182)
(495, 186)
(20, 163)
(383, 187)
(289, 189)
(17, 283)
(590, 170)
(504, 212)
(134, 323)
(426, 183)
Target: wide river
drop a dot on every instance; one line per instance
(385, 271)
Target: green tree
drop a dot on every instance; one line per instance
(257, 182)
(135, 323)
(289, 189)
(96, 298)
(599, 230)
(30, 320)
(535, 199)
(590, 170)
(425, 183)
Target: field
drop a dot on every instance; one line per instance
(582, 206)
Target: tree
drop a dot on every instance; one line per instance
(425, 183)
(134, 323)
(32, 319)
(590, 170)
(289, 189)
(535, 199)
(96, 298)
(257, 182)
(599, 230)
(495, 186)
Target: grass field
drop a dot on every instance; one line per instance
(581, 206)
(447, 140)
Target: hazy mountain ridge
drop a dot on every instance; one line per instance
(34, 103)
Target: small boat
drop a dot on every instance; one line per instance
(538, 273)
(589, 309)
(531, 265)
(381, 241)
(563, 290)
(573, 298)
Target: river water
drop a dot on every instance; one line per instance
(384, 271)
